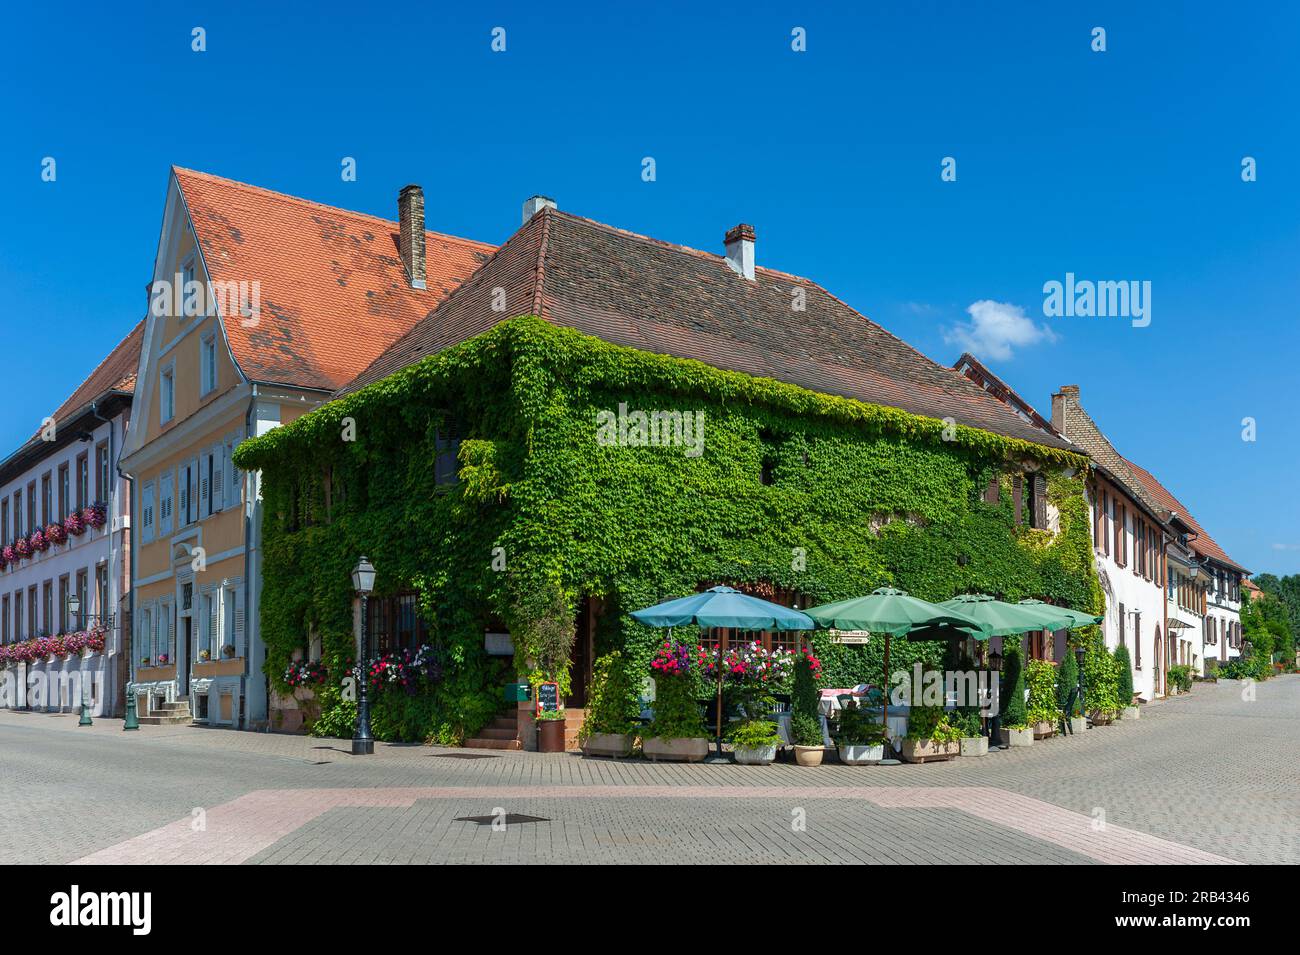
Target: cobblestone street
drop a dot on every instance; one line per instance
(1202, 778)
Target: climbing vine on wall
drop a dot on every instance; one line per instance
(821, 495)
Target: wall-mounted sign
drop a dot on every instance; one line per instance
(548, 697)
(498, 645)
(850, 637)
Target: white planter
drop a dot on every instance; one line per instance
(756, 756)
(613, 745)
(1132, 713)
(1023, 737)
(1078, 724)
(691, 749)
(862, 755)
(975, 746)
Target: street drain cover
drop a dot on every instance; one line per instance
(511, 819)
(464, 755)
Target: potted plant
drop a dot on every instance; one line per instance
(205, 655)
(929, 735)
(1124, 684)
(1067, 682)
(677, 731)
(754, 742)
(228, 651)
(611, 709)
(550, 731)
(972, 742)
(1101, 682)
(1180, 678)
(859, 737)
(144, 661)
(805, 720)
(1015, 715)
(1041, 706)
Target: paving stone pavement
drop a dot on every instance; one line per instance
(1209, 773)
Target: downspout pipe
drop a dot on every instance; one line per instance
(112, 551)
(249, 420)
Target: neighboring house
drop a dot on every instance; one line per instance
(1209, 579)
(832, 457)
(261, 305)
(64, 531)
(1130, 535)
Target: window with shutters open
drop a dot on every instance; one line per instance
(183, 495)
(1038, 501)
(991, 491)
(218, 500)
(232, 478)
(1018, 497)
(166, 502)
(204, 481)
(146, 514)
(1121, 625)
(1137, 641)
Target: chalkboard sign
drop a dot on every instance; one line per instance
(548, 697)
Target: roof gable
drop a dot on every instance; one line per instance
(658, 297)
(333, 292)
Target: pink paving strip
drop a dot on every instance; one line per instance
(240, 829)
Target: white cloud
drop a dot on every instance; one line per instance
(1286, 546)
(995, 329)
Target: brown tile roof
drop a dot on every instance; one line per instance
(658, 297)
(1202, 544)
(116, 373)
(1069, 418)
(334, 293)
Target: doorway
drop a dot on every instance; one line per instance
(580, 658)
(183, 671)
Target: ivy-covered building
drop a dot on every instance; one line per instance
(596, 420)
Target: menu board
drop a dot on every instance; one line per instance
(548, 697)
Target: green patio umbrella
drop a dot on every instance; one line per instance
(895, 613)
(723, 607)
(1077, 617)
(1000, 619)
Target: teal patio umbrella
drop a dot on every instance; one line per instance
(895, 613)
(1000, 619)
(1077, 617)
(723, 607)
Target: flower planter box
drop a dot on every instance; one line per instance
(1023, 737)
(1101, 719)
(1132, 713)
(1044, 730)
(928, 751)
(206, 668)
(691, 749)
(809, 755)
(975, 746)
(862, 755)
(612, 745)
(155, 674)
(1078, 724)
(756, 756)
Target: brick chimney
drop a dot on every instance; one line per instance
(410, 235)
(740, 250)
(1065, 399)
(535, 204)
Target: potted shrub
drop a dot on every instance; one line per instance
(677, 732)
(611, 709)
(1041, 706)
(1180, 678)
(754, 742)
(1015, 715)
(805, 719)
(1100, 682)
(550, 731)
(966, 722)
(1067, 681)
(929, 735)
(228, 651)
(859, 737)
(1124, 684)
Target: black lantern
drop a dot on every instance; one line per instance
(363, 581)
(995, 661)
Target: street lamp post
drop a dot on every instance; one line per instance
(995, 722)
(363, 582)
(1078, 657)
(74, 614)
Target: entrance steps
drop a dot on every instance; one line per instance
(501, 733)
(169, 714)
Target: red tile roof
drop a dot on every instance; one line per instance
(334, 293)
(1202, 544)
(658, 297)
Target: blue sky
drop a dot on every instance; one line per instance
(1122, 165)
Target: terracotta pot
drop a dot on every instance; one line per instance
(614, 745)
(755, 756)
(1023, 737)
(927, 750)
(975, 746)
(1044, 730)
(550, 736)
(809, 755)
(862, 755)
(691, 749)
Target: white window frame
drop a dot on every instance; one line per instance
(207, 363)
(167, 393)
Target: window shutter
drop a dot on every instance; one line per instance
(204, 488)
(214, 621)
(239, 621)
(1040, 501)
(1017, 497)
(218, 479)
(183, 487)
(171, 634)
(233, 482)
(1105, 526)
(1121, 625)
(146, 513)
(991, 492)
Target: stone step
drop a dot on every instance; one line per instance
(165, 720)
(175, 706)
(483, 743)
(504, 723)
(497, 732)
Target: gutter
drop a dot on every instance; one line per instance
(248, 567)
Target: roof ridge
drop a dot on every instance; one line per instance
(299, 200)
(539, 273)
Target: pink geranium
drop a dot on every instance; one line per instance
(10, 554)
(55, 534)
(23, 547)
(37, 541)
(95, 515)
(75, 524)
